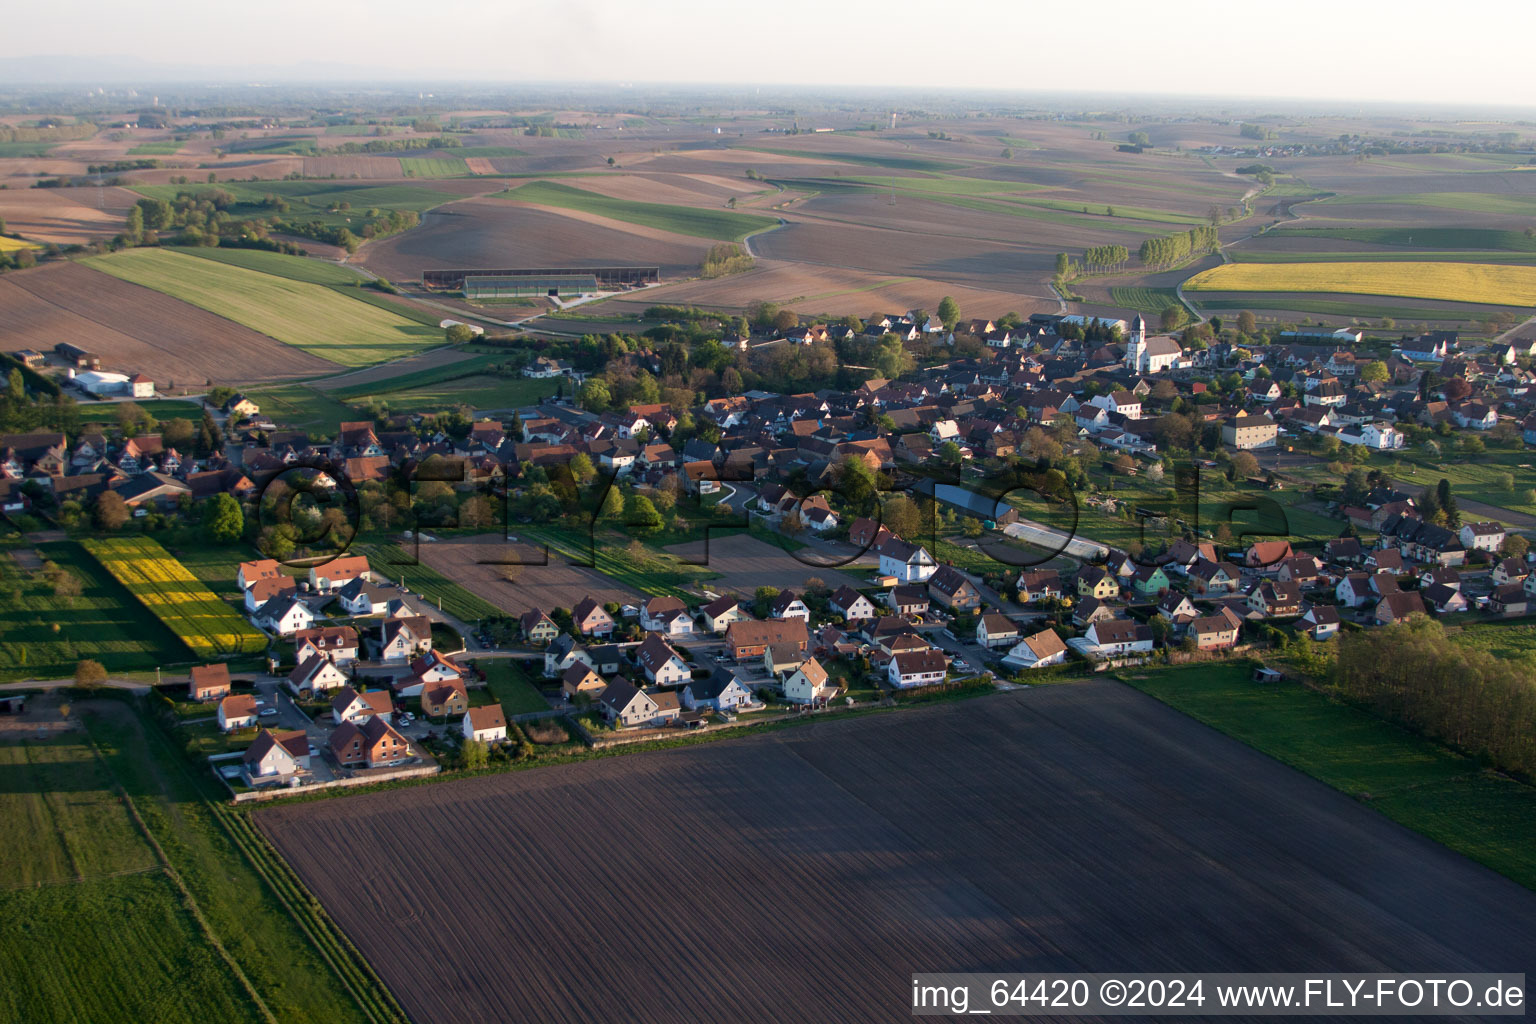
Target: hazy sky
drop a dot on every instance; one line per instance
(1367, 50)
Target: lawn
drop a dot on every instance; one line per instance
(161, 409)
(301, 407)
(204, 621)
(479, 391)
(510, 685)
(432, 166)
(1507, 640)
(104, 622)
(308, 316)
(722, 224)
(1490, 283)
(1416, 782)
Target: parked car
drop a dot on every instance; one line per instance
(267, 713)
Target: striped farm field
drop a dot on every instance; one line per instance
(205, 622)
(1487, 283)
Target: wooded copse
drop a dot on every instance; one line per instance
(1175, 249)
(1468, 698)
(1106, 257)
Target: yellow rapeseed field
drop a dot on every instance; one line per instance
(1488, 283)
(8, 244)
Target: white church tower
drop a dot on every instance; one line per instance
(1136, 348)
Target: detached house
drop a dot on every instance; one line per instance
(351, 706)
(908, 563)
(623, 704)
(315, 675)
(1110, 637)
(810, 684)
(284, 616)
(372, 744)
(237, 711)
(1319, 621)
(1397, 607)
(1276, 599)
(995, 630)
(275, 756)
(720, 692)
(487, 724)
(666, 615)
(590, 618)
(851, 604)
(334, 643)
(1096, 582)
(661, 664)
(209, 682)
(404, 638)
(949, 588)
(338, 572)
(917, 668)
(720, 613)
(538, 628)
(1038, 650)
(1216, 632)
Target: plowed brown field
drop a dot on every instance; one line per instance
(807, 874)
(517, 588)
(135, 329)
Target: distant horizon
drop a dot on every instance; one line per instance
(123, 71)
(1317, 51)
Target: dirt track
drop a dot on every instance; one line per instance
(804, 875)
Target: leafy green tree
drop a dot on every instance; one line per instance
(1448, 504)
(949, 312)
(476, 755)
(640, 514)
(223, 521)
(1374, 372)
(595, 396)
(762, 599)
(460, 334)
(90, 674)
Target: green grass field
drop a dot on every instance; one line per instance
(492, 152)
(301, 407)
(725, 225)
(118, 949)
(1421, 237)
(289, 145)
(433, 166)
(1470, 202)
(161, 409)
(13, 150)
(293, 268)
(1405, 256)
(122, 872)
(511, 687)
(895, 163)
(1145, 300)
(1419, 784)
(165, 147)
(308, 316)
(479, 391)
(104, 622)
(1508, 640)
(1363, 309)
(1477, 478)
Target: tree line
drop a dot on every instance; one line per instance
(1415, 674)
(1175, 249)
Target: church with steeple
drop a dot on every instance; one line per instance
(1150, 355)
